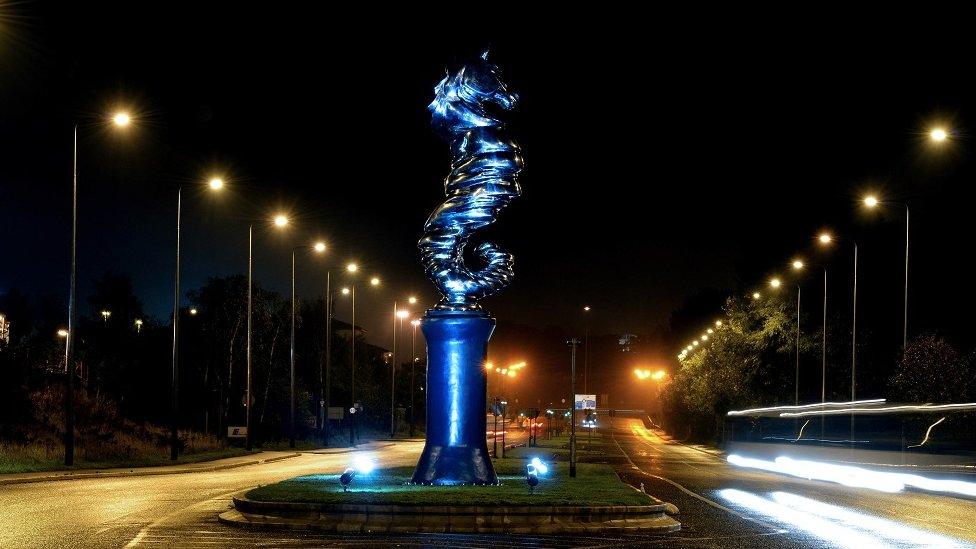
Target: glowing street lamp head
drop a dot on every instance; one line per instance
(658, 375)
(870, 201)
(121, 119)
(375, 281)
(216, 184)
(488, 365)
(511, 373)
(756, 295)
(401, 314)
(412, 300)
(193, 311)
(718, 323)
(281, 221)
(775, 282)
(825, 238)
(415, 323)
(586, 309)
(352, 267)
(62, 333)
(106, 314)
(938, 135)
(797, 264)
(319, 247)
(345, 291)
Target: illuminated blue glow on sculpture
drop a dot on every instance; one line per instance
(482, 181)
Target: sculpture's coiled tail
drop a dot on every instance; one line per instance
(483, 180)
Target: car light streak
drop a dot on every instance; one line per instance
(800, 435)
(927, 433)
(815, 407)
(878, 527)
(904, 408)
(855, 477)
(812, 524)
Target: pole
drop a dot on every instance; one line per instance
(413, 368)
(796, 379)
(291, 429)
(393, 359)
(854, 334)
(328, 354)
(69, 346)
(247, 396)
(572, 403)
(904, 334)
(823, 365)
(354, 420)
(854, 345)
(174, 435)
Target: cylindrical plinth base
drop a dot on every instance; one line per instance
(456, 451)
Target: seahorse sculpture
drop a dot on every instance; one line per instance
(483, 180)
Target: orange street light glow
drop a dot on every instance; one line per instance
(121, 119)
(825, 238)
(319, 247)
(870, 201)
(938, 135)
(280, 220)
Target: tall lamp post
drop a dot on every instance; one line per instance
(398, 315)
(279, 221)
(352, 269)
(318, 247)
(797, 266)
(119, 120)
(214, 184)
(413, 366)
(573, 343)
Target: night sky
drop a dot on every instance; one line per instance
(659, 162)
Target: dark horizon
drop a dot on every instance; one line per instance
(719, 172)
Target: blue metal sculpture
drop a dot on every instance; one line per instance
(483, 180)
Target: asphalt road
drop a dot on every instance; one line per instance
(180, 510)
(693, 478)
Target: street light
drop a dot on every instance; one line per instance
(105, 315)
(352, 269)
(938, 135)
(62, 333)
(193, 312)
(318, 247)
(277, 223)
(586, 346)
(398, 314)
(874, 201)
(138, 324)
(413, 366)
(756, 295)
(215, 184)
(120, 120)
(774, 283)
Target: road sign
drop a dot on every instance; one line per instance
(335, 412)
(585, 402)
(237, 432)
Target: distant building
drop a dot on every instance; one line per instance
(627, 343)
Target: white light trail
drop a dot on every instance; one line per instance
(806, 407)
(855, 477)
(800, 435)
(904, 408)
(812, 524)
(877, 527)
(927, 433)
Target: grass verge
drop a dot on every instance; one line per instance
(594, 485)
(21, 462)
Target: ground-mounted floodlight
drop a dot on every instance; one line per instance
(532, 471)
(362, 465)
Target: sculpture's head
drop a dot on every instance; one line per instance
(469, 98)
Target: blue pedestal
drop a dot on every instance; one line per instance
(456, 451)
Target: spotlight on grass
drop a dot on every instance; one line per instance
(532, 471)
(362, 465)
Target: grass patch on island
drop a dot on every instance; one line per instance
(595, 448)
(594, 484)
